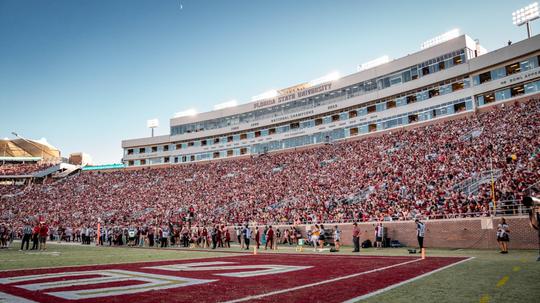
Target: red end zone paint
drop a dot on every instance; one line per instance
(261, 278)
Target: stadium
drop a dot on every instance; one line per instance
(411, 179)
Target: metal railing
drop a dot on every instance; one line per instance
(511, 208)
(506, 208)
(471, 185)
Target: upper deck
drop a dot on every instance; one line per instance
(448, 60)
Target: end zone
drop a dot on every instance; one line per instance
(261, 278)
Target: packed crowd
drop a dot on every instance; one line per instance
(398, 175)
(16, 169)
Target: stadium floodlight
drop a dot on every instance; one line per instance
(151, 124)
(449, 35)
(333, 76)
(231, 103)
(186, 113)
(266, 95)
(525, 15)
(375, 62)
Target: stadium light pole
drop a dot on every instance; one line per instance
(152, 124)
(525, 15)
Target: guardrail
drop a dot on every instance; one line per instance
(506, 208)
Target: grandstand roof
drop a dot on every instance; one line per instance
(28, 148)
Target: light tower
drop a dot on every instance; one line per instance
(525, 15)
(151, 124)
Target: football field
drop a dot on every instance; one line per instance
(79, 273)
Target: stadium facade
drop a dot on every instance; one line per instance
(448, 79)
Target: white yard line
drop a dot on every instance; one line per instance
(377, 292)
(320, 282)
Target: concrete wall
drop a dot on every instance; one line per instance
(448, 233)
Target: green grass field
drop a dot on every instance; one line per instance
(489, 277)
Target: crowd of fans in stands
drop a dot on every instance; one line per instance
(397, 175)
(16, 169)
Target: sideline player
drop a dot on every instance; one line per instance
(43, 233)
(337, 238)
(322, 237)
(269, 238)
(420, 232)
(27, 234)
(356, 237)
(247, 235)
(315, 232)
(502, 236)
(379, 235)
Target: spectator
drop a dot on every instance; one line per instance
(356, 237)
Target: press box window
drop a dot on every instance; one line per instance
(518, 90)
(441, 65)
(413, 118)
(411, 99)
(485, 77)
(457, 86)
(414, 73)
(488, 98)
(513, 68)
(459, 107)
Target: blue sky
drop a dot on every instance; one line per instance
(87, 74)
